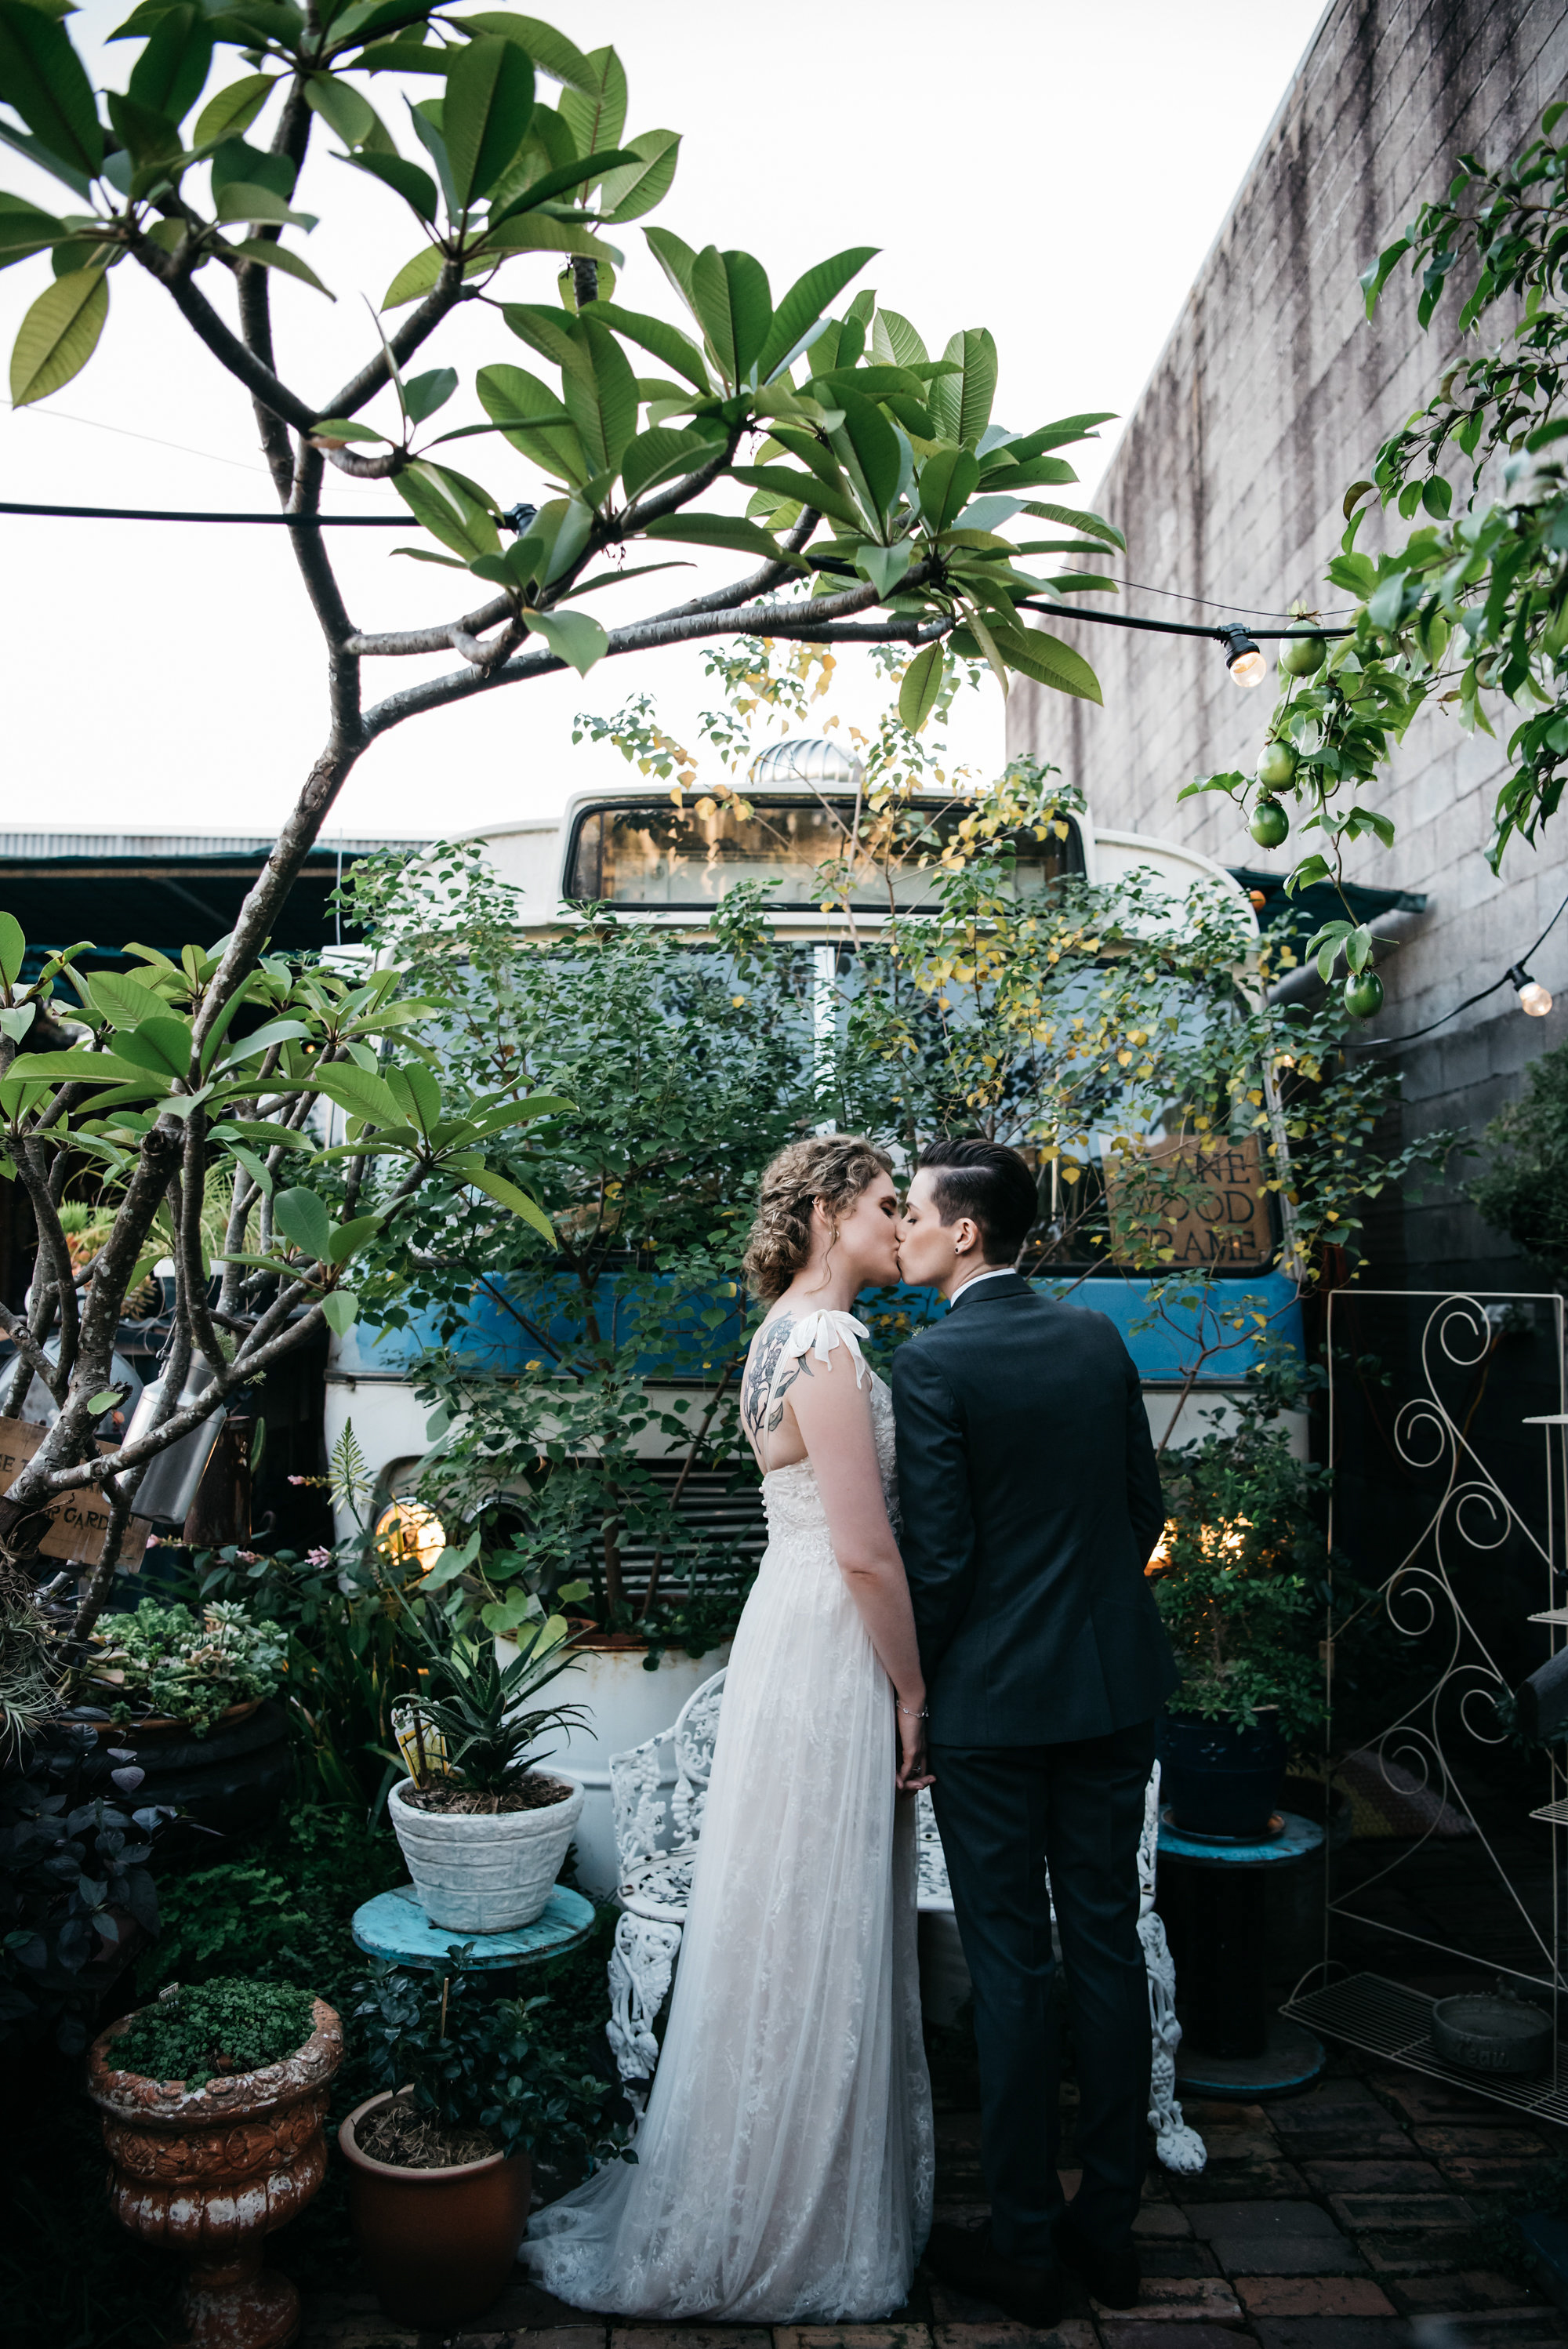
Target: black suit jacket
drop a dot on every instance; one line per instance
(1031, 1504)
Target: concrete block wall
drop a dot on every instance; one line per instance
(1270, 396)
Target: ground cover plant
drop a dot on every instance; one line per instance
(165, 1662)
(208, 2030)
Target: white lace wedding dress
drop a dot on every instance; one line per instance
(785, 2162)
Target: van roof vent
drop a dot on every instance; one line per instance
(806, 761)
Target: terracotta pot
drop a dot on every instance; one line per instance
(212, 2171)
(440, 2244)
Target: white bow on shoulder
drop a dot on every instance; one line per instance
(820, 1333)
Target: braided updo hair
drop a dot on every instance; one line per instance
(833, 1167)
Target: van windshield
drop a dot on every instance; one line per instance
(677, 857)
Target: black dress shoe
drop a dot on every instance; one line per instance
(1114, 2278)
(964, 2256)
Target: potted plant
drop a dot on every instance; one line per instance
(482, 1827)
(1236, 1583)
(191, 1694)
(439, 2157)
(213, 2100)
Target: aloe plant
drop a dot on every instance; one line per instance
(475, 1706)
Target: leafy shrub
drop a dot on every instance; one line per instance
(281, 1912)
(216, 2027)
(503, 2066)
(1239, 1586)
(73, 1877)
(1524, 1191)
(164, 1662)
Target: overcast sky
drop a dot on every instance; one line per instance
(1055, 172)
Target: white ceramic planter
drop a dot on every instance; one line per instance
(479, 1872)
(625, 1705)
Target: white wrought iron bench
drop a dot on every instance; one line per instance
(659, 1790)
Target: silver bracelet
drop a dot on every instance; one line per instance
(909, 1711)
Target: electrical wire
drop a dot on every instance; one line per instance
(165, 513)
(1394, 1043)
(96, 424)
(401, 521)
(1246, 611)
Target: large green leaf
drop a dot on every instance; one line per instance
(43, 77)
(535, 421)
(731, 530)
(596, 112)
(356, 1090)
(416, 278)
(573, 637)
(538, 232)
(171, 71)
(507, 1194)
(600, 394)
(407, 180)
(664, 454)
(895, 343)
(419, 1093)
(804, 489)
(490, 97)
(58, 334)
(271, 255)
(559, 183)
(804, 305)
(731, 298)
(1078, 518)
(961, 403)
(947, 481)
(677, 259)
(79, 1067)
(867, 448)
(552, 52)
(230, 111)
(447, 507)
(242, 200)
(303, 1218)
(921, 685)
(634, 189)
(25, 229)
(161, 1046)
(667, 342)
(1047, 660)
(344, 110)
(12, 948)
(123, 1001)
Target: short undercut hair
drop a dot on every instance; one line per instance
(989, 1184)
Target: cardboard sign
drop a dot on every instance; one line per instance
(1220, 1215)
(77, 1521)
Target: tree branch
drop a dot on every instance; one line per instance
(173, 272)
(415, 329)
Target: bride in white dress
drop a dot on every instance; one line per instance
(784, 2164)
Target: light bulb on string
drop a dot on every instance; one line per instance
(1242, 659)
(1533, 999)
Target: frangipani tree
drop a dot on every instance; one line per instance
(873, 481)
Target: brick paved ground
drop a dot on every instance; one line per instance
(1346, 2219)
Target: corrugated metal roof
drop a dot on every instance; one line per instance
(176, 843)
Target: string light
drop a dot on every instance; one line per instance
(1242, 659)
(1533, 997)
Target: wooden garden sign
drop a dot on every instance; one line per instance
(78, 1521)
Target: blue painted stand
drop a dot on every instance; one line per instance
(394, 1926)
(1231, 2046)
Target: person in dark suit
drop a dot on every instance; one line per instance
(1031, 1504)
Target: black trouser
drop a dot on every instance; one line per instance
(1005, 1814)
